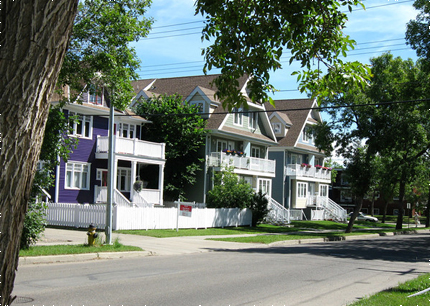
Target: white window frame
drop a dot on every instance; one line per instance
(237, 117)
(82, 119)
(93, 98)
(255, 152)
(276, 126)
(79, 175)
(129, 129)
(127, 182)
(296, 159)
(252, 120)
(323, 191)
(302, 190)
(221, 145)
(199, 105)
(265, 185)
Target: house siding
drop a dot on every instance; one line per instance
(84, 152)
(278, 192)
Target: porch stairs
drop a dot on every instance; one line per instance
(121, 200)
(278, 214)
(333, 210)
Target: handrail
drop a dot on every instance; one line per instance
(119, 199)
(277, 212)
(140, 201)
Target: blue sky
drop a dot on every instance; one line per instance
(173, 48)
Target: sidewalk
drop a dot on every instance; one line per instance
(152, 246)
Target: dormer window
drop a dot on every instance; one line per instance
(199, 106)
(276, 127)
(307, 135)
(95, 94)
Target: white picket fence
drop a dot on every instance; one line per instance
(81, 215)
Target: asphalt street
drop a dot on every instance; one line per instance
(334, 273)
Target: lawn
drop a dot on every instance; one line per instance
(399, 295)
(295, 226)
(44, 250)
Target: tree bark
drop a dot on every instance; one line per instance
(354, 215)
(33, 42)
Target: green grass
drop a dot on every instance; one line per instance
(260, 229)
(44, 250)
(399, 295)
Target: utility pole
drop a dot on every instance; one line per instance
(111, 169)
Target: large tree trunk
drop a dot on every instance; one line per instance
(357, 208)
(34, 38)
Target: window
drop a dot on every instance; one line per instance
(221, 145)
(77, 175)
(237, 116)
(255, 152)
(95, 95)
(82, 125)
(127, 130)
(198, 105)
(276, 127)
(307, 135)
(345, 196)
(252, 120)
(302, 190)
(123, 179)
(102, 176)
(296, 159)
(264, 186)
(323, 190)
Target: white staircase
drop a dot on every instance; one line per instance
(278, 214)
(332, 210)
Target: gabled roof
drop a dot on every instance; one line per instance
(180, 85)
(298, 112)
(187, 87)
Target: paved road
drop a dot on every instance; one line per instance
(316, 274)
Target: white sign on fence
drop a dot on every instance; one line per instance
(185, 210)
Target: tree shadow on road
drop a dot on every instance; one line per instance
(415, 248)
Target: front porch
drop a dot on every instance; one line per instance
(127, 146)
(251, 164)
(146, 197)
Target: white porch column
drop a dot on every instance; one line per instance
(132, 179)
(247, 148)
(161, 182)
(115, 173)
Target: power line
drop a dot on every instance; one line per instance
(319, 108)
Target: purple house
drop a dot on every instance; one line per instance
(83, 179)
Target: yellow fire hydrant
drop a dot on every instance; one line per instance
(92, 235)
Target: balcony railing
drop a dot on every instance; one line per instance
(221, 159)
(134, 147)
(298, 170)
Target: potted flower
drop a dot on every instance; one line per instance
(319, 166)
(303, 165)
(138, 186)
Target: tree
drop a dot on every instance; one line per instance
(35, 38)
(249, 38)
(177, 124)
(360, 174)
(418, 32)
(389, 115)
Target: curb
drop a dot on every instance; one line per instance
(49, 259)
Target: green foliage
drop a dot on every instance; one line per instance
(177, 124)
(229, 191)
(250, 37)
(259, 208)
(34, 224)
(99, 51)
(418, 32)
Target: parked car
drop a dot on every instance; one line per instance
(364, 217)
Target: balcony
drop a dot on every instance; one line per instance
(297, 171)
(134, 147)
(220, 159)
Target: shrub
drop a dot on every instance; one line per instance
(34, 224)
(229, 191)
(259, 208)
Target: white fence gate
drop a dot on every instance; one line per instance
(81, 215)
